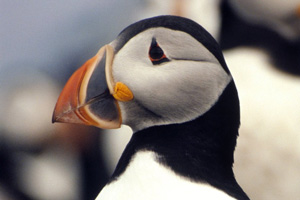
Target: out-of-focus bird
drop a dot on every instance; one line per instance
(271, 25)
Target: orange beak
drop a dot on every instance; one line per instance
(88, 96)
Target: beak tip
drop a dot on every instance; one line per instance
(53, 118)
(56, 114)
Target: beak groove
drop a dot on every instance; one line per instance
(75, 103)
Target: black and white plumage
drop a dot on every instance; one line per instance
(273, 26)
(166, 78)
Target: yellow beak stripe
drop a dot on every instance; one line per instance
(122, 92)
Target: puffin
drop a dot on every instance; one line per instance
(273, 26)
(166, 78)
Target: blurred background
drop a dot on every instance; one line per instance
(43, 42)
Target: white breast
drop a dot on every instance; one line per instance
(146, 179)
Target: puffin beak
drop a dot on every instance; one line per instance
(91, 96)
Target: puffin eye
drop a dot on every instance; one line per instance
(156, 54)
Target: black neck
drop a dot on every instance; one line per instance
(201, 150)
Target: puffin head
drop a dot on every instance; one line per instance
(158, 71)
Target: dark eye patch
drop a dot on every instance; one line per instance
(156, 54)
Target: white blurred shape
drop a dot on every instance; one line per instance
(267, 158)
(278, 15)
(51, 175)
(28, 104)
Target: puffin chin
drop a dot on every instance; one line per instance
(91, 96)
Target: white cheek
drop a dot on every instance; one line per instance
(130, 61)
(185, 90)
(175, 92)
(172, 92)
